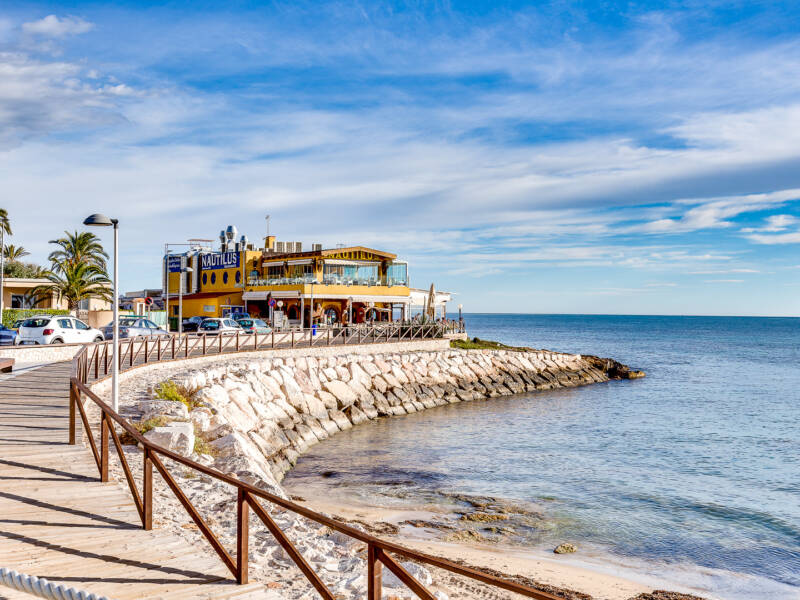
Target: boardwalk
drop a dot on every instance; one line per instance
(58, 521)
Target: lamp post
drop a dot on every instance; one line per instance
(460, 317)
(100, 220)
(280, 310)
(180, 298)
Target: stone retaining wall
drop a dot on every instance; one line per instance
(257, 413)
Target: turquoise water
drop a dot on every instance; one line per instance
(695, 467)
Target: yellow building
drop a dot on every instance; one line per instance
(354, 284)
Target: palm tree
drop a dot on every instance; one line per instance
(5, 223)
(79, 247)
(73, 282)
(15, 252)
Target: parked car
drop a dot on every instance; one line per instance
(239, 315)
(8, 337)
(215, 326)
(59, 329)
(17, 324)
(133, 327)
(193, 323)
(253, 325)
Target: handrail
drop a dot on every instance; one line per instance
(248, 496)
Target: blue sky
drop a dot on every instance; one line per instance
(598, 157)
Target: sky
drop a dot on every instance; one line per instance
(539, 157)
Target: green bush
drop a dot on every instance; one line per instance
(11, 315)
(479, 344)
(169, 390)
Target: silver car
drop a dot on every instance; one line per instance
(133, 327)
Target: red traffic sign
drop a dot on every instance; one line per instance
(272, 302)
(148, 301)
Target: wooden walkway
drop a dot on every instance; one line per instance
(57, 520)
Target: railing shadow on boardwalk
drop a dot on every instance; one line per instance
(93, 362)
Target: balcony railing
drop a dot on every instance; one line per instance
(329, 280)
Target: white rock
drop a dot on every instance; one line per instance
(418, 572)
(178, 437)
(345, 396)
(165, 408)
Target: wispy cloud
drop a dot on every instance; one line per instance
(53, 26)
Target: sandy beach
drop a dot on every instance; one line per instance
(573, 576)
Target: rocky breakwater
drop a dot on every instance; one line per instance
(254, 417)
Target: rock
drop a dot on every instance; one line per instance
(345, 396)
(565, 549)
(328, 399)
(356, 415)
(178, 437)
(341, 420)
(379, 384)
(163, 408)
(201, 418)
(418, 572)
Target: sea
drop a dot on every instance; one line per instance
(690, 475)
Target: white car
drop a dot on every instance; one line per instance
(215, 326)
(57, 329)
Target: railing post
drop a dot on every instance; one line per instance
(185, 342)
(103, 447)
(273, 338)
(130, 353)
(374, 573)
(74, 396)
(158, 349)
(147, 492)
(145, 350)
(329, 336)
(219, 339)
(173, 347)
(255, 340)
(97, 361)
(292, 338)
(204, 344)
(242, 536)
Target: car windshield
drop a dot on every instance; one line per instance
(41, 322)
(245, 322)
(210, 325)
(127, 322)
(260, 323)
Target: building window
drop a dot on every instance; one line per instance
(21, 301)
(205, 278)
(225, 277)
(213, 278)
(238, 276)
(397, 274)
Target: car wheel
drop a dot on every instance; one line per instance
(98, 339)
(57, 341)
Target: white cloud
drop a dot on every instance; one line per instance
(777, 239)
(773, 224)
(52, 26)
(724, 281)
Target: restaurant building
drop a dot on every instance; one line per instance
(352, 284)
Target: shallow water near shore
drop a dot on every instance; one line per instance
(694, 470)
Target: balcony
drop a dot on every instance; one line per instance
(328, 280)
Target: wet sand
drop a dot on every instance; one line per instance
(429, 529)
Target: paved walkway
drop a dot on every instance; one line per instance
(57, 520)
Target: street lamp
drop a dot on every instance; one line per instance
(180, 298)
(99, 220)
(460, 307)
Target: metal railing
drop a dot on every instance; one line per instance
(93, 359)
